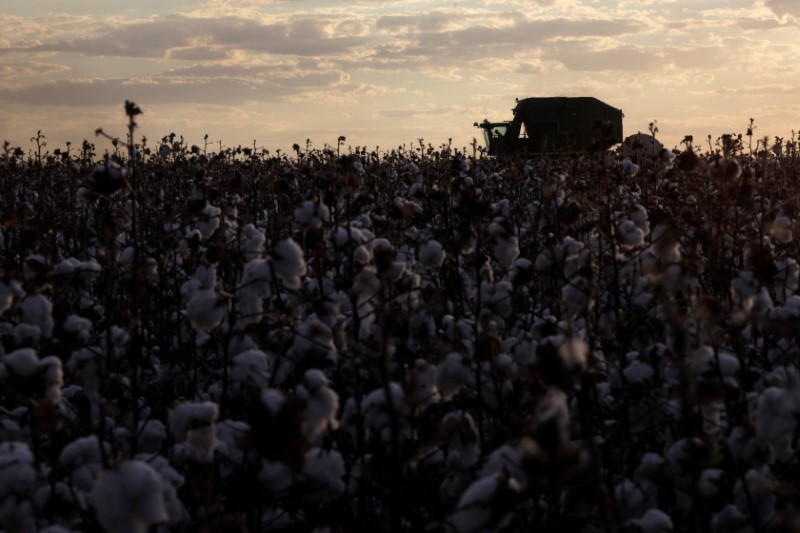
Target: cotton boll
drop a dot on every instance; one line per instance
(653, 521)
(206, 310)
(781, 229)
(18, 473)
(194, 424)
(36, 310)
(775, 422)
(208, 220)
(421, 387)
(251, 367)
(321, 404)
(313, 343)
(431, 254)
(506, 250)
(129, 498)
(638, 372)
(8, 291)
(485, 505)
(324, 473)
(254, 242)
(312, 214)
(83, 458)
(709, 483)
(451, 375)
(288, 263)
(460, 435)
(23, 363)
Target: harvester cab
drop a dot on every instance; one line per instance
(555, 124)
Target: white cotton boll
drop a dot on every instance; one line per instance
(577, 295)
(78, 327)
(256, 279)
(251, 367)
(628, 167)
(630, 234)
(509, 459)
(638, 372)
(781, 229)
(451, 375)
(324, 474)
(631, 499)
(431, 254)
(288, 263)
(206, 310)
(759, 491)
(254, 242)
(544, 261)
(194, 423)
(553, 406)
(460, 435)
(16, 466)
(321, 404)
(506, 250)
(52, 376)
(421, 385)
(275, 477)
(312, 214)
(152, 435)
(208, 220)
(129, 498)
(23, 363)
(478, 506)
(653, 521)
(775, 422)
(8, 291)
(709, 482)
(731, 520)
(574, 353)
(84, 458)
(375, 408)
(313, 343)
(36, 310)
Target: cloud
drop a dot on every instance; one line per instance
(784, 7)
(176, 90)
(158, 37)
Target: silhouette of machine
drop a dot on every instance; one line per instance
(555, 124)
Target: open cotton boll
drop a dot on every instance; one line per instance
(129, 498)
(23, 363)
(431, 254)
(193, 422)
(312, 214)
(17, 473)
(485, 505)
(208, 220)
(638, 372)
(36, 310)
(324, 473)
(83, 458)
(252, 367)
(781, 229)
(653, 521)
(254, 242)
(206, 310)
(288, 262)
(8, 291)
(421, 385)
(460, 436)
(775, 421)
(451, 375)
(321, 404)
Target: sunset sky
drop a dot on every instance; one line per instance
(388, 73)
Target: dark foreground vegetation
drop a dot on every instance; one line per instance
(411, 340)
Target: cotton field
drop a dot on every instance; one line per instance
(418, 339)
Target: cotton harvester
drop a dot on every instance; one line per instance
(555, 124)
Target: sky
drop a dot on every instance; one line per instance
(386, 74)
